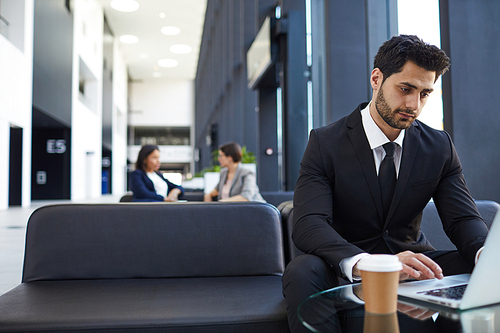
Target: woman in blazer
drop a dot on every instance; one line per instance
(147, 183)
(236, 183)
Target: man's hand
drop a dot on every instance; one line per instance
(418, 266)
(415, 312)
(415, 265)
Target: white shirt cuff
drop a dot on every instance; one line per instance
(477, 254)
(347, 264)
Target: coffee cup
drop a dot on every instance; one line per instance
(380, 279)
(381, 323)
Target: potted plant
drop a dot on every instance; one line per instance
(211, 174)
(248, 160)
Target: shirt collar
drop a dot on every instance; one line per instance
(374, 134)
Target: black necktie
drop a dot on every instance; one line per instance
(387, 176)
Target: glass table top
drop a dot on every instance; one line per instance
(341, 310)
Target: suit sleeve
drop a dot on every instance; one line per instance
(171, 186)
(141, 191)
(313, 208)
(458, 212)
(249, 189)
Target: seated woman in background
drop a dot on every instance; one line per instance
(236, 183)
(147, 183)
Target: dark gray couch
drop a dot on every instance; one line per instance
(431, 225)
(150, 267)
(276, 198)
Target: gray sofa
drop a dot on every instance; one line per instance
(150, 267)
(431, 225)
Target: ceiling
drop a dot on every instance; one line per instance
(146, 23)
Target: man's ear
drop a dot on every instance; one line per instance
(376, 79)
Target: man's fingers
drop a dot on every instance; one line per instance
(410, 271)
(415, 312)
(431, 265)
(420, 266)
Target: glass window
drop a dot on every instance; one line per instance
(421, 18)
(162, 136)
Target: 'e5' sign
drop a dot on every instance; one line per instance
(56, 146)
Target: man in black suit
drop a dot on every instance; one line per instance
(340, 214)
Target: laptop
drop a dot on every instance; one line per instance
(464, 291)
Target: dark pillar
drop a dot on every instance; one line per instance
(15, 166)
(470, 32)
(295, 106)
(354, 32)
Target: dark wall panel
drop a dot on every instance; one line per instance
(267, 168)
(347, 57)
(52, 59)
(470, 33)
(222, 98)
(51, 160)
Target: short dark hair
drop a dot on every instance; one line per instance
(397, 51)
(232, 149)
(143, 154)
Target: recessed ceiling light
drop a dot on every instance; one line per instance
(170, 30)
(167, 63)
(124, 5)
(163, 15)
(156, 74)
(180, 49)
(129, 39)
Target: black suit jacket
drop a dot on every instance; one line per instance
(338, 206)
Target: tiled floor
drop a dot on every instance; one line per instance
(12, 234)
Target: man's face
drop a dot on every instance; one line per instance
(401, 97)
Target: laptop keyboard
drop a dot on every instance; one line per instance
(455, 292)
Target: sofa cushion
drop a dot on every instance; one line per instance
(222, 304)
(153, 240)
(433, 228)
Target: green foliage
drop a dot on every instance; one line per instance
(213, 168)
(247, 156)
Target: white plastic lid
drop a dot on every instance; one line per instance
(380, 263)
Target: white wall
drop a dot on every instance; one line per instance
(119, 127)
(4, 161)
(86, 122)
(16, 73)
(159, 102)
(168, 154)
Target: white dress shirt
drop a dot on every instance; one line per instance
(160, 185)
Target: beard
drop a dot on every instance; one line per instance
(391, 116)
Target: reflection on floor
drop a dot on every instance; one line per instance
(12, 234)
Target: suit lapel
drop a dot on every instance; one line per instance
(223, 179)
(365, 155)
(236, 176)
(410, 147)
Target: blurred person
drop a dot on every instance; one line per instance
(147, 183)
(236, 183)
